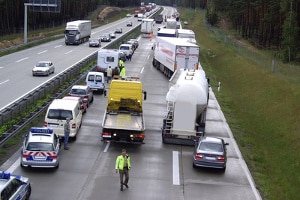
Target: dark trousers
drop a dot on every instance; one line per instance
(124, 172)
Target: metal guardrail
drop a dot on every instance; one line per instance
(52, 87)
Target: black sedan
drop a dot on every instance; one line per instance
(210, 152)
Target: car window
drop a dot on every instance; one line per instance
(10, 189)
(78, 91)
(91, 78)
(205, 146)
(124, 48)
(98, 78)
(59, 114)
(110, 59)
(38, 146)
(42, 65)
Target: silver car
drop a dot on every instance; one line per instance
(210, 152)
(43, 68)
(94, 42)
(41, 148)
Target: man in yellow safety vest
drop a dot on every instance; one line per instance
(123, 166)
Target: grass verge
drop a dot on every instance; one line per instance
(261, 108)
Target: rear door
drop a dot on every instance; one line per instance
(187, 57)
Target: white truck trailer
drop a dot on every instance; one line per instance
(171, 23)
(187, 33)
(147, 27)
(77, 32)
(171, 54)
(187, 101)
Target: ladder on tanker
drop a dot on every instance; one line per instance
(170, 115)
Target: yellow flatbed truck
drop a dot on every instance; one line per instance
(123, 119)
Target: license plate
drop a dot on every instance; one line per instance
(40, 158)
(53, 125)
(210, 158)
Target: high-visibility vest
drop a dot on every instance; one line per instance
(123, 72)
(120, 162)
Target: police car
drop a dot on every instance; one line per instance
(14, 186)
(41, 148)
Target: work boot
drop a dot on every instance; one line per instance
(126, 185)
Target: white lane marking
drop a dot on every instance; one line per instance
(42, 52)
(58, 46)
(14, 166)
(4, 81)
(106, 147)
(69, 52)
(176, 180)
(1, 67)
(142, 70)
(22, 59)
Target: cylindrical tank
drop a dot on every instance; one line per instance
(191, 87)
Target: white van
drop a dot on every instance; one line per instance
(126, 48)
(95, 80)
(56, 115)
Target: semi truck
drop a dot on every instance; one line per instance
(147, 27)
(77, 32)
(172, 53)
(187, 101)
(123, 119)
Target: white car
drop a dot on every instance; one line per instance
(43, 68)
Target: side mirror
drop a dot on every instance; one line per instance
(145, 95)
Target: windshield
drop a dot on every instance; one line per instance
(42, 65)
(214, 147)
(39, 146)
(78, 91)
(59, 114)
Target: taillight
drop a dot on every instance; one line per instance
(221, 158)
(45, 124)
(86, 97)
(141, 136)
(74, 125)
(54, 156)
(106, 134)
(25, 155)
(199, 156)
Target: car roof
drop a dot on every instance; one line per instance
(40, 137)
(211, 139)
(63, 104)
(80, 87)
(72, 98)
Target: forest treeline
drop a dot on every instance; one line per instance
(271, 24)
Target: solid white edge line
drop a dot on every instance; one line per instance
(176, 180)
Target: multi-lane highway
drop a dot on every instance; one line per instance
(159, 171)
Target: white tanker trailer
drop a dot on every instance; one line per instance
(187, 101)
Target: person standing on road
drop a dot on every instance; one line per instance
(66, 133)
(123, 166)
(109, 74)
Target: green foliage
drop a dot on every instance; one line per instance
(211, 14)
(291, 38)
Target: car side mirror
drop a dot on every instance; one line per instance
(145, 95)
